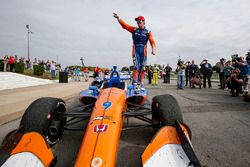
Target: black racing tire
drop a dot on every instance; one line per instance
(165, 110)
(41, 114)
(247, 97)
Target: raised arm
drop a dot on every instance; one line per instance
(124, 24)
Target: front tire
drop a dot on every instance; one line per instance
(42, 114)
(165, 110)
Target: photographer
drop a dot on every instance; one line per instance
(228, 69)
(207, 71)
(244, 67)
(236, 82)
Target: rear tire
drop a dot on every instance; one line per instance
(165, 110)
(41, 114)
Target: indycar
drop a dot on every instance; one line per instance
(105, 107)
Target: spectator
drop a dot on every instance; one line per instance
(6, 58)
(47, 68)
(221, 74)
(103, 73)
(245, 73)
(193, 70)
(167, 70)
(77, 74)
(53, 70)
(86, 74)
(196, 80)
(96, 72)
(35, 62)
(236, 82)
(207, 71)
(227, 73)
(187, 73)
(181, 73)
(11, 62)
(149, 74)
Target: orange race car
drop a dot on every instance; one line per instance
(105, 108)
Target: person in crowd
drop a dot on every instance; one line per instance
(5, 61)
(155, 72)
(149, 74)
(96, 72)
(28, 64)
(16, 58)
(140, 36)
(193, 70)
(181, 74)
(53, 70)
(221, 74)
(77, 74)
(167, 70)
(35, 62)
(47, 68)
(187, 74)
(11, 62)
(227, 73)
(236, 82)
(86, 74)
(103, 73)
(196, 80)
(244, 67)
(207, 71)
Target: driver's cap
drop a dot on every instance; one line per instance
(140, 18)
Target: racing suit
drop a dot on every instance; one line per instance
(155, 76)
(139, 51)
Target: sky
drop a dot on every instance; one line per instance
(66, 30)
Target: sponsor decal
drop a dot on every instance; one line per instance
(96, 162)
(107, 105)
(101, 128)
(98, 118)
(102, 117)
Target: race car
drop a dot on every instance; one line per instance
(105, 108)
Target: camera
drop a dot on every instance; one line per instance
(235, 58)
(222, 61)
(180, 62)
(248, 57)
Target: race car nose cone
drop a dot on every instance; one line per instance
(96, 162)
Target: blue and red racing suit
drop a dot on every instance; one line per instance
(139, 51)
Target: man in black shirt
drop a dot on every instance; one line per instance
(207, 71)
(187, 73)
(193, 69)
(167, 70)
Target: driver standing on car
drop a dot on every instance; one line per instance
(140, 36)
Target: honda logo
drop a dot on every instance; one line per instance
(101, 128)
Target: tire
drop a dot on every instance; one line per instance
(165, 110)
(40, 115)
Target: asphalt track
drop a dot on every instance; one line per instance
(219, 123)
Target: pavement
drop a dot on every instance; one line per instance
(18, 91)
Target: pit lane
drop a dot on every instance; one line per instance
(219, 123)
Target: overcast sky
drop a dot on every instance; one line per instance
(70, 29)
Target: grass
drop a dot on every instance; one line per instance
(45, 75)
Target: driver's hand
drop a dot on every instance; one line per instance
(153, 51)
(116, 16)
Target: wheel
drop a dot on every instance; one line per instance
(43, 116)
(165, 110)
